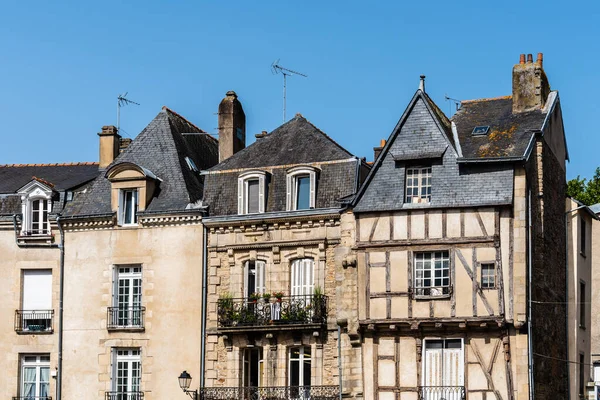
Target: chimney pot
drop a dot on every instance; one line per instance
(110, 143)
(377, 150)
(231, 93)
(522, 59)
(382, 143)
(540, 59)
(530, 86)
(422, 84)
(529, 58)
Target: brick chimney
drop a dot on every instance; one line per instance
(110, 143)
(232, 126)
(377, 150)
(530, 87)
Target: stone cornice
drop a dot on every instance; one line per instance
(284, 223)
(274, 244)
(145, 221)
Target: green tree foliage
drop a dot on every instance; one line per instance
(587, 192)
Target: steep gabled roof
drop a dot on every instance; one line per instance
(162, 147)
(295, 142)
(61, 176)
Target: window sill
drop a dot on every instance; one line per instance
(430, 297)
(126, 329)
(35, 332)
(49, 238)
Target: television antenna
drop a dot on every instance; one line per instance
(276, 69)
(455, 101)
(122, 101)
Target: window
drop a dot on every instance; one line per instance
(255, 277)
(301, 188)
(253, 367)
(302, 278)
(36, 204)
(488, 276)
(251, 192)
(418, 184)
(126, 375)
(581, 304)
(432, 273)
(581, 375)
(300, 371)
(39, 217)
(128, 206)
(35, 376)
(127, 310)
(443, 368)
(582, 236)
(36, 308)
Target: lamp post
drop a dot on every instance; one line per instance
(185, 380)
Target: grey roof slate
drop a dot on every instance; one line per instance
(297, 142)
(161, 148)
(595, 208)
(509, 134)
(418, 135)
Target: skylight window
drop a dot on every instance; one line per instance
(191, 164)
(480, 130)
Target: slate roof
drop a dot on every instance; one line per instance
(595, 208)
(297, 142)
(61, 177)
(509, 134)
(162, 147)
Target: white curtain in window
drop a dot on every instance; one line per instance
(29, 381)
(44, 381)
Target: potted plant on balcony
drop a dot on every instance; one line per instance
(225, 307)
(318, 304)
(278, 296)
(254, 297)
(266, 297)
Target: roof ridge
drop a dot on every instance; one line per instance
(486, 99)
(183, 118)
(71, 164)
(298, 116)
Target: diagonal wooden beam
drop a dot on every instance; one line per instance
(484, 299)
(485, 370)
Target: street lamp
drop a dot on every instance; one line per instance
(185, 380)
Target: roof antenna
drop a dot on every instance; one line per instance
(122, 101)
(455, 101)
(275, 69)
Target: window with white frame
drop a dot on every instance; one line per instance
(418, 184)
(431, 273)
(36, 204)
(300, 369)
(126, 374)
(251, 192)
(302, 278)
(36, 308)
(254, 272)
(443, 369)
(35, 376)
(127, 297)
(301, 188)
(128, 207)
(488, 275)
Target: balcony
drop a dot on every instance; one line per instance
(271, 393)
(124, 395)
(441, 393)
(290, 312)
(125, 319)
(32, 398)
(34, 321)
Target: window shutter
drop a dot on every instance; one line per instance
(313, 189)
(260, 276)
(37, 290)
(246, 276)
(289, 186)
(261, 194)
(240, 196)
(121, 208)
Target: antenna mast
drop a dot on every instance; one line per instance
(122, 101)
(276, 69)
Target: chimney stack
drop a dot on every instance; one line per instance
(110, 143)
(377, 150)
(232, 126)
(422, 84)
(530, 87)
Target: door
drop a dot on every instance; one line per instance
(127, 375)
(255, 277)
(128, 296)
(35, 377)
(300, 371)
(253, 372)
(443, 370)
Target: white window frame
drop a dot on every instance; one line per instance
(420, 172)
(128, 220)
(292, 187)
(493, 275)
(461, 365)
(300, 360)
(302, 278)
(127, 356)
(36, 318)
(31, 192)
(243, 181)
(428, 272)
(42, 361)
(259, 277)
(247, 366)
(129, 313)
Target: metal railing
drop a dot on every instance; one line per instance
(271, 393)
(441, 393)
(34, 321)
(32, 398)
(307, 309)
(124, 395)
(36, 232)
(125, 317)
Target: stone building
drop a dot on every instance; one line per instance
(280, 268)
(458, 224)
(30, 266)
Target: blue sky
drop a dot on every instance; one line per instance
(64, 63)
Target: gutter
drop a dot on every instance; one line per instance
(462, 160)
(204, 305)
(529, 330)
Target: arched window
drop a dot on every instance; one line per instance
(301, 188)
(252, 192)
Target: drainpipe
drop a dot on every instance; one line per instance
(204, 305)
(60, 309)
(529, 280)
(340, 322)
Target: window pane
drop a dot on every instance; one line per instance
(302, 193)
(253, 196)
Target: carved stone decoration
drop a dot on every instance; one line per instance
(228, 342)
(276, 255)
(419, 346)
(231, 258)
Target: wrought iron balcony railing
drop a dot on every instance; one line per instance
(441, 393)
(34, 321)
(271, 393)
(125, 318)
(32, 398)
(36, 232)
(297, 310)
(124, 395)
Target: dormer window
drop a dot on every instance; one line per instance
(36, 204)
(128, 206)
(251, 192)
(301, 188)
(418, 184)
